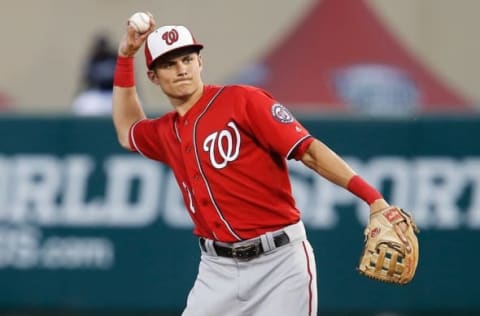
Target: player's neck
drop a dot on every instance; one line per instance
(183, 105)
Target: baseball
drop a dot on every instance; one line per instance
(140, 21)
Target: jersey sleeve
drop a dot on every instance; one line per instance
(144, 139)
(301, 148)
(272, 123)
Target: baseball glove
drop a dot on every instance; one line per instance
(385, 257)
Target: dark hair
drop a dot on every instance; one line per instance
(182, 51)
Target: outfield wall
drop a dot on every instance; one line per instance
(85, 225)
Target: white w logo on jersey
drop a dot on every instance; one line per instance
(223, 144)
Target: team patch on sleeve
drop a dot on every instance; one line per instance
(282, 114)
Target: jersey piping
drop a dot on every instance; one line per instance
(204, 178)
(177, 134)
(296, 144)
(133, 138)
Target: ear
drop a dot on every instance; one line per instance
(200, 61)
(152, 76)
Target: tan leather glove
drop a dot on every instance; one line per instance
(385, 257)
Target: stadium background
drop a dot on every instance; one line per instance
(45, 42)
(87, 229)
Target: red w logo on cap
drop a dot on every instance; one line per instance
(170, 37)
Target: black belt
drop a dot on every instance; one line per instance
(247, 251)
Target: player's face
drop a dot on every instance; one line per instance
(178, 75)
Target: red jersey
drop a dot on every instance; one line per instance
(228, 154)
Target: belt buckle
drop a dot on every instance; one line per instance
(247, 251)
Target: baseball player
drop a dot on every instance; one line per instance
(227, 147)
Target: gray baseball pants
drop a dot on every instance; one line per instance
(280, 282)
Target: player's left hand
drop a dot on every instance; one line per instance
(400, 228)
(391, 247)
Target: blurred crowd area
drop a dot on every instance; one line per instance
(61, 54)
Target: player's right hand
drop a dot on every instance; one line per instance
(132, 41)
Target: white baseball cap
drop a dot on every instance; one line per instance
(168, 38)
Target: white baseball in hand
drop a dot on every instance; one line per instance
(140, 21)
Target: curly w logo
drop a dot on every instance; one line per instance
(170, 37)
(223, 146)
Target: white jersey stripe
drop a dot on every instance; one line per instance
(214, 203)
(133, 138)
(295, 145)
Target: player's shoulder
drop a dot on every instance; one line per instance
(165, 119)
(246, 90)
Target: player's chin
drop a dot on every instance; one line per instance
(184, 88)
(181, 93)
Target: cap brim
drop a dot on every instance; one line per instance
(198, 46)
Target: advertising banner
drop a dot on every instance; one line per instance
(86, 225)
